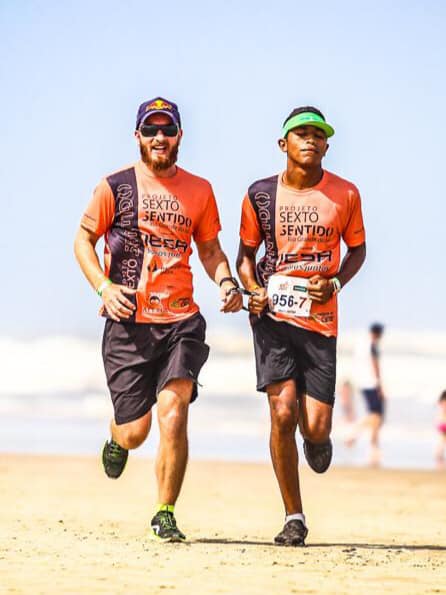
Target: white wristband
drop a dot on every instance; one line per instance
(336, 285)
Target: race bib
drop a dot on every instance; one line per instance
(289, 295)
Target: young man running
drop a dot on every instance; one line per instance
(300, 216)
(154, 337)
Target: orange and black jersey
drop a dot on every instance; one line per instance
(148, 224)
(302, 231)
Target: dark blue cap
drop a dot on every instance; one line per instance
(159, 105)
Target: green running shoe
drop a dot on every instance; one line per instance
(164, 527)
(114, 458)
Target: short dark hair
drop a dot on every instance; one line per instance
(442, 397)
(302, 110)
(377, 328)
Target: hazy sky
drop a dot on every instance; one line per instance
(74, 73)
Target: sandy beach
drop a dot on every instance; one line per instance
(66, 528)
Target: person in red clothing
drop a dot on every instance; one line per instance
(154, 336)
(300, 216)
(441, 427)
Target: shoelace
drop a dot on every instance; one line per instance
(114, 450)
(167, 520)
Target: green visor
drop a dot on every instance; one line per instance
(307, 119)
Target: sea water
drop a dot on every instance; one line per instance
(54, 400)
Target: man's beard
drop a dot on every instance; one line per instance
(160, 163)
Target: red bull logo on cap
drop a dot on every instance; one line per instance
(158, 104)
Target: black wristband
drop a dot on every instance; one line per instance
(233, 280)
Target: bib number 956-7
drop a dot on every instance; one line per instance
(289, 295)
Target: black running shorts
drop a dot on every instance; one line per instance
(373, 401)
(284, 351)
(140, 359)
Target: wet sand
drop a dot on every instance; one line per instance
(66, 528)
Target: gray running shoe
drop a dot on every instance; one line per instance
(318, 455)
(114, 458)
(164, 527)
(293, 534)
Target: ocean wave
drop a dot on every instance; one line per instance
(412, 366)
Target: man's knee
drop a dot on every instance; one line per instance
(318, 429)
(132, 436)
(173, 405)
(173, 421)
(315, 419)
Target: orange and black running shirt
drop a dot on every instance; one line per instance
(148, 223)
(301, 231)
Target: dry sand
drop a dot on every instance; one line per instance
(66, 528)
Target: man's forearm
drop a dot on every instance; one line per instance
(247, 273)
(88, 260)
(351, 264)
(246, 267)
(216, 266)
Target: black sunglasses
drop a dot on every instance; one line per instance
(152, 129)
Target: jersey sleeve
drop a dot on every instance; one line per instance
(99, 214)
(250, 232)
(209, 223)
(353, 233)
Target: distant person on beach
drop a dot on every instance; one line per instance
(441, 427)
(300, 216)
(154, 337)
(368, 370)
(346, 399)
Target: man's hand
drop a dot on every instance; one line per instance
(258, 300)
(320, 289)
(232, 300)
(115, 302)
